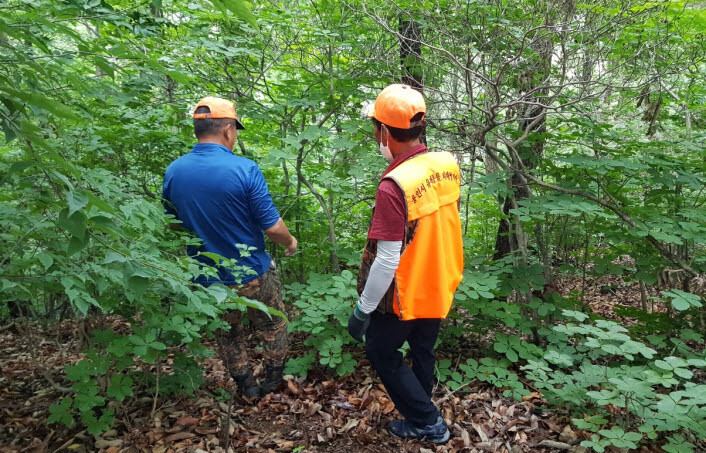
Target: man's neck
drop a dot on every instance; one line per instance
(213, 140)
(402, 148)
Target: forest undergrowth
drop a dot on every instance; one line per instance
(319, 413)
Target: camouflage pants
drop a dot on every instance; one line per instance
(273, 332)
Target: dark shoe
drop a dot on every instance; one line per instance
(247, 385)
(273, 378)
(437, 433)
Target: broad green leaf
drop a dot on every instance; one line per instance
(41, 102)
(77, 200)
(238, 8)
(138, 284)
(74, 223)
(61, 412)
(120, 387)
(96, 426)
(46, 260)
(76, 244)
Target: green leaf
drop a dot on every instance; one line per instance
(158, 345)
(632, 437)
(89, 399)
(81, 372)
(77, 200)
(100, 204)
(61, 412)
(46, 260)
(76, 244)
(681, 300)
(138, 284)
(8, 130)
(701, 363)
(260, 306)
(106, 225)
(113, 257)
(214, 256)
(123, 363)
(96, 426)
(663, 365)
(42, 102)
(683, 373)
(238, 8)
(105, 65)
(677, 444)
(74, 223)
(120, 387)
(218, 292)
(577, 315)
(680, 304)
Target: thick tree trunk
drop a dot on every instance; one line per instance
(411, 53)
(411, 57)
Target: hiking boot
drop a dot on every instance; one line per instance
(247, 385)
(273, 378)
(437, 433)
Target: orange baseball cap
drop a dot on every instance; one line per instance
(396, 105)
(219, 108)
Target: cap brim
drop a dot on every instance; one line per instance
(239, 125)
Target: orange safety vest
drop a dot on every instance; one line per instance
(431, 266)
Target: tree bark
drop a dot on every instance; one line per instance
(532, 120)
(411, 57)
(411, 53)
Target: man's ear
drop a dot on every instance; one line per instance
(385, 134)
(229, 132)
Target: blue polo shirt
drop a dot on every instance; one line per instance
(223, 198)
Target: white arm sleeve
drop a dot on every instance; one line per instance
(381, 274)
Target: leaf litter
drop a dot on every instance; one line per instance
(319, 413)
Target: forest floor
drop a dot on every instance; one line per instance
(317, 414)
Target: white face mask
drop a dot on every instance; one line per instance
(385, 150)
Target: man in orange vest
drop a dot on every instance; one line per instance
(412, 262)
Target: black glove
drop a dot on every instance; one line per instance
(358, 323)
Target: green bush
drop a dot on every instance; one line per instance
(591, 366)
(115, 257)
(326, 302)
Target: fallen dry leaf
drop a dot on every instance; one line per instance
(388, 407)
(179, 436)
(188, 421)
(292, 387)
(313, 408)
(568, 435)
(466, 438)
(352, 423)
(481, 432)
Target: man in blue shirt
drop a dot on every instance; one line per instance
(224, 200)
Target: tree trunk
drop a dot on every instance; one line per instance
(531, 119)
(333, 258)
(411, 53)
(411, 57)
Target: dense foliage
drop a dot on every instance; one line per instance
(580, 130)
